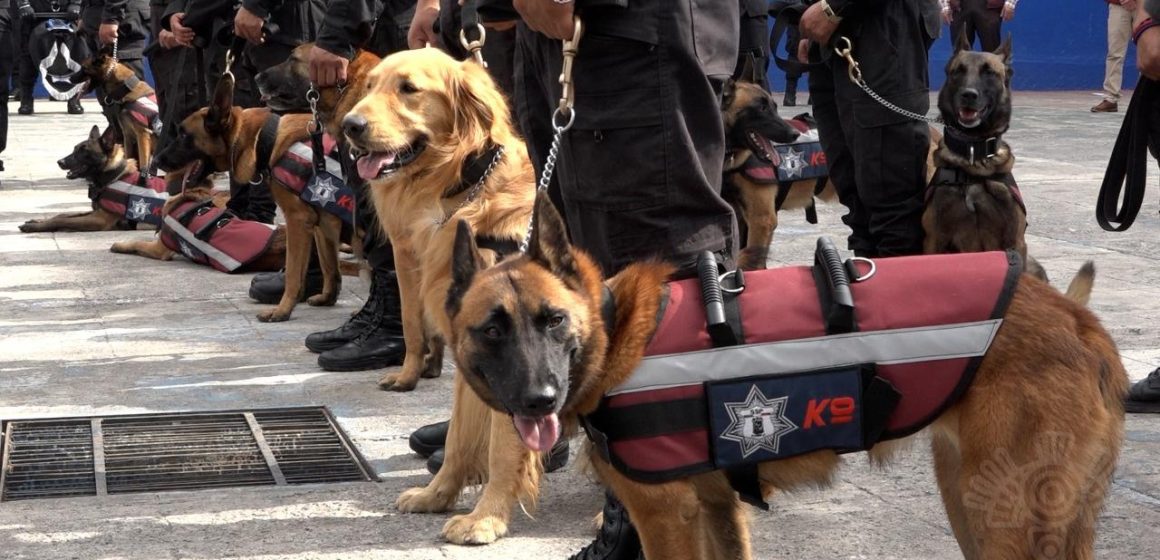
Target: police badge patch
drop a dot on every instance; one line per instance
(326, 191)
(775, 417)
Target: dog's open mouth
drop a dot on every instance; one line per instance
(192, 173)
(761, 147)
(74, 173)
(970, 118)
(538, 433)
(374, 165)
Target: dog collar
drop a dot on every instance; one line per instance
(972, 149)
(474, 169)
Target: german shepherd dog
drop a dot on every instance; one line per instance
(529, 335)
(425, 118)
(223, 137)
(751, 123)
(972, 204)
(136, 104)
(100, 161)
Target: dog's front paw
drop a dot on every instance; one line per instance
(422, 500)
(121, 247)
(31, 226)
(273, 316)
(472, 529)
(321, 300)
(397, 382)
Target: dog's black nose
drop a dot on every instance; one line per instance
(61, 163)
(354, 125)
(969, 95)
(540, 400)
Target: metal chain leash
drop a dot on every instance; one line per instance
(565, 110)
(312, 97)
(475, 189)
(113, 66)
(844, 48)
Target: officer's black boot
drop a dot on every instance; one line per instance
(329, 340)
(267, 287)
(790, 99)
(74, 105)
(617, 539)
(25, 102)
(382, 344)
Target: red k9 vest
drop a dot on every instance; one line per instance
(325, 190)
(135, 197)
(144, 111)
(206, 234)
(923, 325)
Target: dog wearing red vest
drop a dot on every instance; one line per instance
(545, 339)
(135, 103)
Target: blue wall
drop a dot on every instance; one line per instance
(1059, 45)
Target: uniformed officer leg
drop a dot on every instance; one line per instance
(891, 177)
(990, 28)
(26, 69)
(839, 159)
(7, 58)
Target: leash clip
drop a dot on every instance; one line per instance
(568, 89)
(475, 47)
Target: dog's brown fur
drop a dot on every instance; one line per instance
(985, 446)
(983, 215)
(98, 219)
(458, 108)
(228, 135)
(138, 139)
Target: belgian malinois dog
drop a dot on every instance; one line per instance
(973, 203)
(530, 338)
(223, 137)
(135, 103)
(100, 160)
(284, 87)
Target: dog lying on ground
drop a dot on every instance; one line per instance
(121, 194)
(544, 338)
(435, 141)
(134, 102)
(973, 203)
(256, 145)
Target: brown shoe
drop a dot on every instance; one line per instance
(1106, 106)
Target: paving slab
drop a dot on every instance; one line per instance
(84, 331)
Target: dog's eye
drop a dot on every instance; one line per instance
(557, 320)
(407, 87)
(492, 332)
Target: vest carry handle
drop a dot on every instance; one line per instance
(715, 321)
(833, 288)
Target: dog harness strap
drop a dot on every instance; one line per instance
(264, 149)
(474, 168)
(187, 216)
(953, 176)
(783, 188)
(123, 89)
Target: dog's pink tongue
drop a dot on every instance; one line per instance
(539, 433)
(370, 165)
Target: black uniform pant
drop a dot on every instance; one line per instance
(7, 58)
(639, 173)
(976, 20)
(877, 158)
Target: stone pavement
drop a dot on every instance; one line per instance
(83, 331)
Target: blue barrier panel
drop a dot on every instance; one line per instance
(1059, 45)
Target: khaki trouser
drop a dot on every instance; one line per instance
(1119, 32)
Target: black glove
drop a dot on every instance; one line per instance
(74, 11)
(25, 10)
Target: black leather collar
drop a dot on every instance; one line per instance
(474, 169)
(970, 148)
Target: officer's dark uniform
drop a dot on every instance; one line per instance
(7, 59)
(132, 17)
(877, 158)
(26, 68)
(753, 40)
(979, 18)
(639, 173)
(174, 79)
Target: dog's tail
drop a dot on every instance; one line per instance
(1080, 289)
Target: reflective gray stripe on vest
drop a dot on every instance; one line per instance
(898, 346)
(127, 188)
(304, 151)
(209, 250)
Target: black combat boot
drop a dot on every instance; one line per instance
(790, 99)
(329, 340)
(379, 346)
(617, 539)
(74, 105)
(430, 438)
(267, 287)
(25, 103)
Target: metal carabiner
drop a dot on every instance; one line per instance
(570, 48)
(475, 47)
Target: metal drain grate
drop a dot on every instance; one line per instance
(186, 451)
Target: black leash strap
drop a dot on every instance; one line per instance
(317, 147)
(1128, 166)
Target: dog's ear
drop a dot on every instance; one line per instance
(1004, 51)
(217, 119)
(109, 139)
(474, 101)
(549, 245)
(962, 43)
(465, 262)
(747, 72)
(95, 134)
